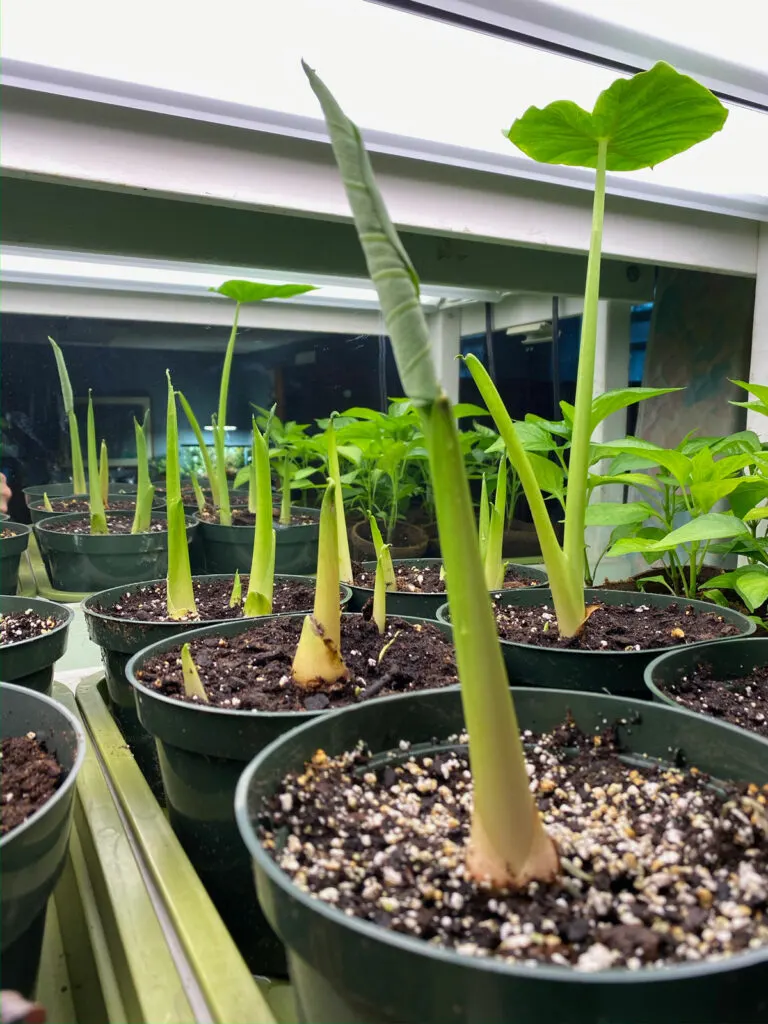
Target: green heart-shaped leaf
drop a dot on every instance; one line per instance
(646, 119)
(252, 291)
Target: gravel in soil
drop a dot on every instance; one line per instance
(117, 525)
(18, 626)
(416, 579)
(148, 604)
(621, 627)
(29, 776)
(242, 517)
(252, 672)
(7, 532)
(658, 866)
(741, 701)
(65, 505)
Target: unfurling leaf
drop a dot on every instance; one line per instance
(193, 686)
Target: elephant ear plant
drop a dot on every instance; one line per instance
(635, 123)
(508, 845)
(145, 491)
(180, 591)
(95, 498)
(78, 470)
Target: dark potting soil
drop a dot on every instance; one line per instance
(621, 627)
(116, 524)
(29, 776)
(81, 505)
(252, 672)
(657, 865)
(148, 604)
(417, 580)
(242, 517)
(7, 532)
(18, 626)
(742, 700)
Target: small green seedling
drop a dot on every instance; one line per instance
(95, 501)
(334, 472)
(493, 562)
(258, 600)
(78, 470)
(383, 554)
(145, 491)
(104, 472)
(198, 492)
(204, 452)
(380, 588)
(636, 122)
(180, 591)
(47, 503)
(236, 597)
(193, 686)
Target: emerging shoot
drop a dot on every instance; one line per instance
(180, 591)
(258, 600)
(380, 589)
(198, 492)
(104, 472)
(484, 519)
(383, 554)
(78, 470)
(334, 472)
(285, 503)
(193, 686)
(508, 843)
(318, 658)
(145, 492)
(494, 562)
(236, 597)
(205, 454)
(47, 503)
(95, 502)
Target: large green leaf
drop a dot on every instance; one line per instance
(750, 582)
(750, 492)
(701, 529)
(549, 475)
(462, 409)
(760, 391)
(252, 291)
(614, 513)
(646, 119)
(625, 479)
(676, 463)
(609, 402)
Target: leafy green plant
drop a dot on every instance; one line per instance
(635, 123)
(95, 501)
(78, 470)
(180, 591)
(508, 844)
(193, 686)
(145, 492)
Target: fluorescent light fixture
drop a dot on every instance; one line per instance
(227, 427)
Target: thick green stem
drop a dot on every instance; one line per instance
(578, 467)
(285, 503)
(145, 492)
(104, 472)
(258, 600)
(180, 593)
(334, 472)
(225, 509)
(380, 589)
(206, 456)
(98, 519)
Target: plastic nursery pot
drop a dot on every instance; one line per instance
(119, 639)
(228, 549)
(412, 541)
(202, 752)
(11, 550)
(353, 972)
(36, 491)
(32, 855)
(30, 663)
(729, 659)
(4, 517)
(38, 511)
(614, 672)
(402, 602)
(85, 562)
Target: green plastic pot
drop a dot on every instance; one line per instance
(30, 663)
(202, 752)
(615, 672)
(4, 517)
(11, 550)
(32, 856)
(121, 638)
(228, 549)
(36, 491)
(38, 511)
(729, 659)
(83, 563)
(401, 602)
(352, 972)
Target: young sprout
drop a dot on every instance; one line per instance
(193, 686)
(145, 491)
(334, 472)
(104, 472)
(47, 503)
(180, 591)
(78, 470)
(383, 554)
(636, 122)
(494, 562)
(380, 588)
(198, 491)
(484, 519)
(258, 600)
(285, 502)
(205, 454)
(236, 597)
(95, 502)
(508, 843)
(318, 655)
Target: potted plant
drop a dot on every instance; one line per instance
(44, 742)
(33, 636)
(87, 552)
(14, 538)
(377, 863)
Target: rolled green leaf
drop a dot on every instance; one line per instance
(47, 503)
(383, 554)
(334, 472)
(206, 456)
(145, 491)
(494, 563)
(258, 600)
(104, 472)
(484, 518)
(78, 470)
(193, 686)
(95, 502)
(198, 491)
(222, 485)
(380, 589)
(236, 597)
(285, 502)
(180, 591)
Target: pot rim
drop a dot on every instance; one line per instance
(158, 514)
(33, 604)
(38, 506)
(442, 593)
(366, 930)
(72, 774)
(656, 651)
(19, 528)
(234, 712)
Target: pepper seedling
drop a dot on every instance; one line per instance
(180, 597)
(145, 491)
(508, 844)
(258, 600)
(95, 502)
(636, 123)
(78, 470)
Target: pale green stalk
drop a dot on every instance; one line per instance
(180, 591)
(47, 503)
(145, 492)
(236, 597)
(253, 502)
(78, 470)
(380, 589)
(334, 472)
(206, 455)
(198, 491)
(285, 502)
(193, 686)
(219, 422)
(484, 518)
(494, 562)
(95, 502)
(104, 472)
(383, 553)
(508, 844)
(258, 600)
